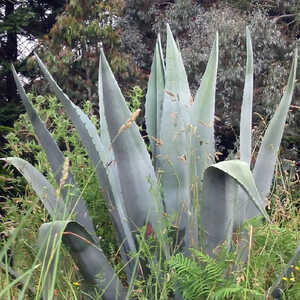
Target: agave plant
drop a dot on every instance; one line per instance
(180, 180)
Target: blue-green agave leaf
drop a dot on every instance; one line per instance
(100, 157)
(289, 270)
(86, 129)
(132, 160)
(176, 78)
(240, 214)
(113, 177)
(154, 100)
(267, 155)
(173, 159)
(202, 152)
(203, 114)
(219, 197)
(90, 259)
(54, 155)
(45, 191)
(56, 160)
(246, 110)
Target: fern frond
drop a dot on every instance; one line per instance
(197, 288)
(229, 292)
(197, 277)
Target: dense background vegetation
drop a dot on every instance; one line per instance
(68, 37)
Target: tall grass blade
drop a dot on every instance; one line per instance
(275, 289)
(19, 279)
(7, 245)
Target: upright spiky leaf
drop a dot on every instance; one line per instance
(154, 100)
(132, 160)
(267, 155)
(246, 110)
(203, 114)
(100, 157)
(173, 159)
(86, 129)
(113, 177)
(56, 160)
(176, 78)
(201, 132)
(245, 132)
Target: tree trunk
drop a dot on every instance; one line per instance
(11, 53)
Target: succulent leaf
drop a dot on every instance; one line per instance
(201, 131)
(133, 163)
(173, 160)
(176, 78)
(266, 159)
(245, 132)
(91, 261)
(154, 100)
(203, 114)
(56, 160)
(219, 197)
(45, 191)
(246, 110)
(100, 158)
(87, 130)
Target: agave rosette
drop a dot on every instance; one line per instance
(204, 199)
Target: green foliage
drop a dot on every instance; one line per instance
(21, 24)
(202, 277)
(197, 278)
(73, 46)
(24, 143)
(285, 13)
(135, 96)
